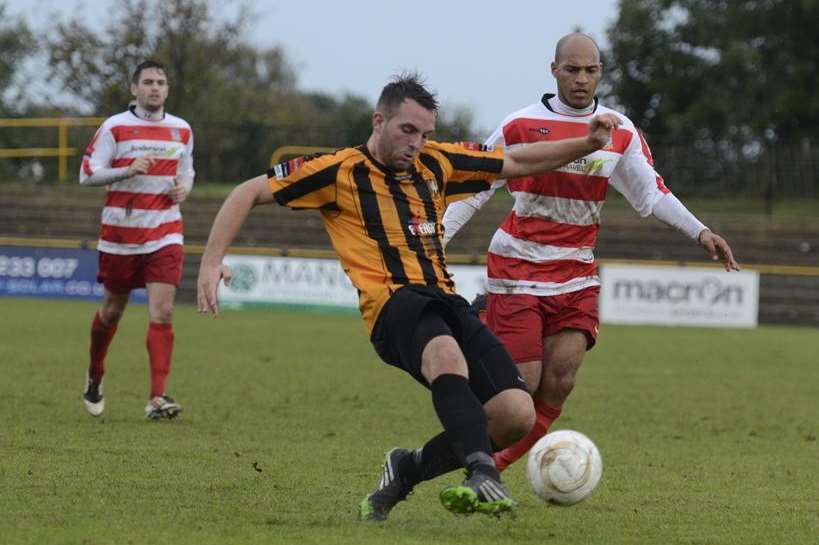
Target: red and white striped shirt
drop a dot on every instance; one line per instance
(545, 245)
(139, 217)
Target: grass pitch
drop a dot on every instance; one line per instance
(707, 436)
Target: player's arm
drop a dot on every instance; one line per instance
(539, 157)
(183, 182)
(229, 220)
(672, 212)
(459, 213)
(96, 169)
(636, 179)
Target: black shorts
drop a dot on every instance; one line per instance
(414, 315)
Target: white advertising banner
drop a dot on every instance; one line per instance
(287, 281)
(690, 296)
(312, 282)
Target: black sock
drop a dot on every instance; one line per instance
(462, 416)
(433, 459)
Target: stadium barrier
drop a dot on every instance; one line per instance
(785, 294)
(62, 151)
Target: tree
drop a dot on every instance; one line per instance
(17, 43)
(717, 70)
(242, 101)
(729, 79)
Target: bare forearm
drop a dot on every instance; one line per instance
(228, 221)
(539, 157)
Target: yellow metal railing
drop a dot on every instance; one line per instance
(455, 259)
(62, 152)
(294, 151)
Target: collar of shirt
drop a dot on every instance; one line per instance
(558, 106)
(142, 113)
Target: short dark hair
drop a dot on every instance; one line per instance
(408, 85)
(144, 65)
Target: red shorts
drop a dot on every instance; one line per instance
(522, 321)
(123, 273)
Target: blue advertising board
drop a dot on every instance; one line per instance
(52, 273)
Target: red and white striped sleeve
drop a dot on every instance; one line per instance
(635, 177)
(460, 212)
(96, 167)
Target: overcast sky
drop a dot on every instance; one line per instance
(492, 57)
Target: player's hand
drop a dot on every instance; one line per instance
(140, 165)
(178, 193)
(719, 250)
(207, 285)
(600, 129)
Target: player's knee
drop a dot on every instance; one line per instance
(111, 316)
(441, 356)
(513, 415)
(111, 313)
(162, 312)
(560, 379)
(564, 385)
(520, 424)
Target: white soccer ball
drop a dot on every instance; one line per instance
(564, 467)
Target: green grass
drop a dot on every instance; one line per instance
(708, 437)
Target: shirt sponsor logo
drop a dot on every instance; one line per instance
(420, 228)
(543, 131)
(588, 167)
(472, 146)
(152, 150)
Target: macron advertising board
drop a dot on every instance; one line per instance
(688, 296)
(61, 273)
(308, 282)
(650, 295)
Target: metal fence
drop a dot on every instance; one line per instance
(31, 150)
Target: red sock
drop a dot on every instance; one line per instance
(159, 341)
(545, 415)
(101, 336)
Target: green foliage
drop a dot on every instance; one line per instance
(718, 70)
(715, 85)
(708, 437)
(241, 100)
(16, 43)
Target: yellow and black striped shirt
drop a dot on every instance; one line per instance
(384, 225)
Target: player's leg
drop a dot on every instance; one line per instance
(571, 332)
(116, 274)
(432, 356)
(103, 328)
(517, 321)
(495, 381)
(163, 272)
(563, 355)
(159, 340)
(571, 329)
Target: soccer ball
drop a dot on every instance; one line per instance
(564, 467)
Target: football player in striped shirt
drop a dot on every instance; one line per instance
(542, 277)
(144, 158)
(382, 205)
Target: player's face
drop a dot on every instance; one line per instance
(578, 72)
(399, 138)
(151, 90)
